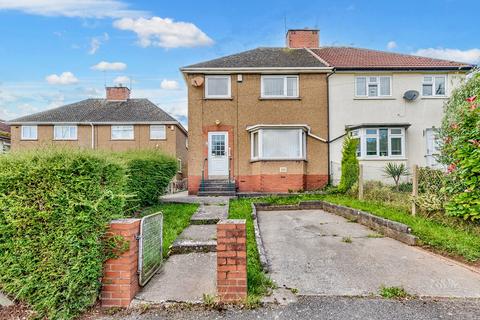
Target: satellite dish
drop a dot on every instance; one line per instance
(411, 95)
(197, 81)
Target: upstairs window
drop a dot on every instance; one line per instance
(218, 87)
(279, 87)
(278, 144)
(373, 86)
(65, 133)
(29, 132)
(158, 132)
(122, 132)
(434, 86)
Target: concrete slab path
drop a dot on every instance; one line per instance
(196, 238)
(306, 250)
(210, 213)
(184, 197)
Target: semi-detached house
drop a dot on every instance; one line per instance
(273, 119)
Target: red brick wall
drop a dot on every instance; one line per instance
(118, 93)
(120, 278)
(281, 182)
(303, 39)
(231, 260)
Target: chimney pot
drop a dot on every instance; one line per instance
(303, 38)
(119, 93)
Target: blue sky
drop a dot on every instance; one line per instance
(54, 52)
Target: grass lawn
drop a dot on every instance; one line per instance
(176, 217)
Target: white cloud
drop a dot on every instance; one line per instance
(72, 8)
(65, 78)
(96, 42)
(109, 66)
(169, 84)
(122, 79)
(391, 45)
(165, 33)
(469, 56)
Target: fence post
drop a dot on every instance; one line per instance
(414, 188)
(360, 182)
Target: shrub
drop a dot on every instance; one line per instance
(350, 166)
(55, 207)
(431, 196)
(461, 150)
(395, 171)
(149, 173)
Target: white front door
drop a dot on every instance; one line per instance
(218, 155)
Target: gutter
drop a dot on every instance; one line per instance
(256, 70)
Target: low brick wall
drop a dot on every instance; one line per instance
(232, 260)
(120, 278)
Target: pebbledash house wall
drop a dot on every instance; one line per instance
(245, 108)
(174, 144)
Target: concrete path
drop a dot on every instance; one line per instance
(309, 250)
(210, 213)
(184, 197)
(196, 238)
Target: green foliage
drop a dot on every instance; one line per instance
(350, 167)
(394, 293)
(395, 171)
(388, 195)
(461, 150)
(149, 173)
(55, 206)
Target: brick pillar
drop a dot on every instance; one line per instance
(231, 260)
(120, 278)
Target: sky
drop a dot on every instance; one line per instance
(55, 52)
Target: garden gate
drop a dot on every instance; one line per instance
(150, 247)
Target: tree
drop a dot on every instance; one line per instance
(350, 166)
(395, 171)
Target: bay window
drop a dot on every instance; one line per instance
(218, 87)
(122, 132)
(278, 144)
(373, 86)
(434, 85)
(64, 132)
(380, 142)
(279, 86)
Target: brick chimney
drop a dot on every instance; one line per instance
(303, 38)
(119, 93)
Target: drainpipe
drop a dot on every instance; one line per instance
(93, 135)
(328, 123)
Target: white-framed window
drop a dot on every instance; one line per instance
(278, 144)
(373, 86)
(158, 132)
(186, 143)
(433, 144)
(63, 132)
(434, 85)
(218, 87)
(29, 133)
(124, 132)
(380, 142)
(279, 86)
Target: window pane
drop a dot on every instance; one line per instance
(361, 86)
(372, 90)
(371, 131)
(359, 148)
(255, 145)
(283, 144)
(371, 146)
(273, 86)
(427, 79)
(292, 86)
(385, 86)
(396, 143)
(427, 90)
(29, 132)
(218, 145)
(383, 142)
(217, 86)
(396, 131)
(440, 86)
(122, 132)
(157, 132)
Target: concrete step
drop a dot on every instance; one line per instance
(210, 214)
(218, 188)
(216, 193)
(196, 238)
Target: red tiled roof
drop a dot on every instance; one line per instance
(352, 58)
(4, 127)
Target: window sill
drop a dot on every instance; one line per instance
(153, 139)
(279, 98)
(374, 98)
(218, 98)
(433, 97)
(122, 139)
(383, 159)
(65, 139)
(268, 160)
(28, 139)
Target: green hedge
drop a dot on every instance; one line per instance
(54, 210)
(149, 173)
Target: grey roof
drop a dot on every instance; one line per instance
(101, 110)
(264, 58)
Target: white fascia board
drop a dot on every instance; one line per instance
(274, 70)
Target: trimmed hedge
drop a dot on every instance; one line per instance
(149, 173)
(54, 211)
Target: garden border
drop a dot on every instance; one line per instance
(258, 238)
(392, 229)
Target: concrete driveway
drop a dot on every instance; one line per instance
(310, 250)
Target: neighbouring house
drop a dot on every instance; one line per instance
(4, 137)
(259, 120)
(274, 119)
(117, 123)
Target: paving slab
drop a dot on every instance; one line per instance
(184, 197)
(306, 251)
(183, 278)
(4, 301)
(196, 238)
(210, 213)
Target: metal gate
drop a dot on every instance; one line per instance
(150, 247)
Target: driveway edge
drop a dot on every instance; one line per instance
(258, 239)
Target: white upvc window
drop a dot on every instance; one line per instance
(29, 133)
(64, 132)
(179, 163)
(218, 87)
(279, 86)
(124, 132)
(380, 142)
(158, 132)
(434, 85)
(373, 86)
(278, 144)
